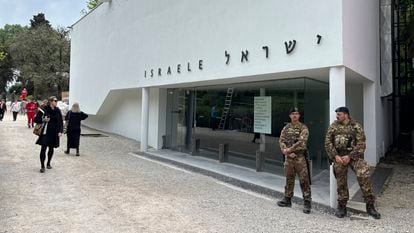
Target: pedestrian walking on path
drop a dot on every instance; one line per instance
(345, 146)
(73, 127)
(3, 109)
(51, 117)
(293, 144)
(31, 112)
(23, 107)
(15, 109)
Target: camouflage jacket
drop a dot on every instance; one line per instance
(294, 137)
(345, 139)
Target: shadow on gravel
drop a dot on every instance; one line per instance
(385, 169)
(398, 157)
(402, 163)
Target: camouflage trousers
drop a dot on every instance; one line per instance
(361, 169)
(293, 166)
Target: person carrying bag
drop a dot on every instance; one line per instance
(49, 138)
(38, 129)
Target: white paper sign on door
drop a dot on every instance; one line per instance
(263, 114)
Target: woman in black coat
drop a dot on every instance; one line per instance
(51, 117)
(73, 127)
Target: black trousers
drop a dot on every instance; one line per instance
(68, 148)
(15, 116)
(43, 155)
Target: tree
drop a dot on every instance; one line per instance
(15, 91)
(3, 55)
(7, 34)
(41, 55)
(39, 20)
(6, 72)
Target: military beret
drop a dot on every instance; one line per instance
(342, 109)
(294, 109)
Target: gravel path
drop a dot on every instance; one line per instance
(107, 189)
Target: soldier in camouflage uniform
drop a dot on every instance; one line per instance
(345, 146)
(293, 140)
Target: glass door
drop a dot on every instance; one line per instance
(180, 123)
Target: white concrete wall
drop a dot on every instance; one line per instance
(362, 55)
(117, 42)
(377, 123)
(370, 123)
(361, 37)
(122, 116)
(157, 120)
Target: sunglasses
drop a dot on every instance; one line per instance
(54, 100)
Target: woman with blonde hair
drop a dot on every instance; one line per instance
(73, 127)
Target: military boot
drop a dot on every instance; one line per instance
(285, 202)
(307, 207)
(341, 211)
(372, 211)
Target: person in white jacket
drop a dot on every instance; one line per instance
(15, 109)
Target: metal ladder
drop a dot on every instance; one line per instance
(227, 104)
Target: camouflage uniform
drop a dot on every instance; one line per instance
(296, 138)
(349, 139)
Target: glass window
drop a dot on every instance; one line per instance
(202, 118)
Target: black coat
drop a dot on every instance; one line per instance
(53, 128)
(3, 108)
(73, 129)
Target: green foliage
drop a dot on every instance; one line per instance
(90, 5)
(3, 55)
(41, 55)
(39, 20)
(16, 90)
(7, 34)
(38, 56)
(6, 72)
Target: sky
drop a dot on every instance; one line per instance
(62, 13)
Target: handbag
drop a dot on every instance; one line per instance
(37, 130)
(65, 126)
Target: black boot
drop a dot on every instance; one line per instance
(341, 211)
(372, 211)
(285, 202)
(307, 207)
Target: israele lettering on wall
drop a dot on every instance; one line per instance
(179, 68)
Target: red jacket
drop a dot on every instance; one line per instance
(31, 107)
